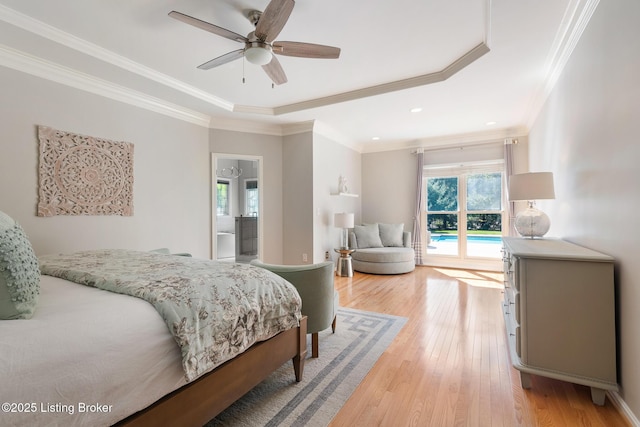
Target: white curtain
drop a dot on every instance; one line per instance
(417, 229)
(508, 171)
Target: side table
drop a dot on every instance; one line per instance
(345, 269)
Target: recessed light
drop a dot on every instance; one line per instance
(490, 123)
(376, 138)
(416, 110)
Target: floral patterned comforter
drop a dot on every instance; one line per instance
(214, 310)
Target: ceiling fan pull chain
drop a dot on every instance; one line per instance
(242, 68)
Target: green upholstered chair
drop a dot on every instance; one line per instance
(320, 301)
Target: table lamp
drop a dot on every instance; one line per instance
(531, 186)
(344, 221)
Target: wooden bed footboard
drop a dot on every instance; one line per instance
(201, 400)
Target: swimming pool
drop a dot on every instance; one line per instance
(482, 246)
(472, 238)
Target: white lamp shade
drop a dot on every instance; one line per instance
(531, 186)
(343, 220)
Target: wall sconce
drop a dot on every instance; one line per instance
(532, 186)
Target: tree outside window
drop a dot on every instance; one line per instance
(223, 197)
(251, 197)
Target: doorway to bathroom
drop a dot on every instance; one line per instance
(237, 201)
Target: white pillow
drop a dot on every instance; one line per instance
(367, 236)
(391, 234)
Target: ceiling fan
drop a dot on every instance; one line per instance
(259, 45)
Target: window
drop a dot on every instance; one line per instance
(442, 211)
(223, 197)
(251, 197)
(464, 212)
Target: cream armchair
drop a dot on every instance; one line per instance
(320, 300)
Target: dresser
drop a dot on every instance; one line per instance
(559, 311)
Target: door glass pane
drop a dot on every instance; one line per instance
(484, 192)
(444, 234)
(484, 226)
(484, 235)
(442, 194)
(442, 215)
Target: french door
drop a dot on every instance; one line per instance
(463, 213)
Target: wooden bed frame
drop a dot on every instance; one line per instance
(201, 400)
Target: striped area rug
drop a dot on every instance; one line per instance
(328, 381)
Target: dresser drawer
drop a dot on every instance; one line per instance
(514, 276)
(510, 266)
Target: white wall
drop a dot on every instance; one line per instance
(587, 135)
(388, 187)
(298, 198)
(330, 161)
(270, 148)
(171, 169)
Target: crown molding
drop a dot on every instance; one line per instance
(45, 69)
(299, 127)
(575, 20)
(42, 29)
(247, 126)
(251, 109)
(32, 65)
(448, 141)
(422, 80)
(38, 67)
(329, 132)
(49, 32)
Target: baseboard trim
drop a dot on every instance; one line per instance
(624, 409)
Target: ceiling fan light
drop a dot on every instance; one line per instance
(258, 55)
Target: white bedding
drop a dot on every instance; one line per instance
(86, 390)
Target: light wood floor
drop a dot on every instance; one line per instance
(449, 366)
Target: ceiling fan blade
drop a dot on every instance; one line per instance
(275, 72)
(273, 19)
(227, 57)
(207, 26)
(306, 50)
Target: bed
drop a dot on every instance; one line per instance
(91, 354)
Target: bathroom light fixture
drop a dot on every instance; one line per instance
(232, 172)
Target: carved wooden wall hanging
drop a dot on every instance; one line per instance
(84, 175)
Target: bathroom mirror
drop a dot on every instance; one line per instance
(236, 207)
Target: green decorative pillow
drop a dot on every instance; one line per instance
(367, 236)
(19, 272)
(391, 234)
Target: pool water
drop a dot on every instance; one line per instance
(482, 246)
(472, 238)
